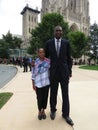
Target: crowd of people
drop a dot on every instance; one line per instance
(24, 62)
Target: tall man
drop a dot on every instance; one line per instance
(58, 49)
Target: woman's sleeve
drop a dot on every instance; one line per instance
(33, 73)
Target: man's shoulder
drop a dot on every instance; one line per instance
(50, 40)
(65, 40)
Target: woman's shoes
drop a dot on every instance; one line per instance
(42, 115)
(39, 117)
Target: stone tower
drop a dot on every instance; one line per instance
(29, 22)
(75, 12)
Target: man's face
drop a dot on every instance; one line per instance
(58, 32)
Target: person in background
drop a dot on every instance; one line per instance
(40, 81)
(58, 50)
(30, 63)
(25, 64)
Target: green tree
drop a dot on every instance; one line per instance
(3, 49)
(94, 42)
(45, 31)
(8, 39)
(13, 41)
(9, 42)
(17, 42)
(78, 43)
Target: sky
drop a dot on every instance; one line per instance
(11, 19)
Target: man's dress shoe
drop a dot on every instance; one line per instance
(69, 120)
(52, 115)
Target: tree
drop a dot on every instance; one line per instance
(17, 42)
(78, 43)
(45, 31)
(3, 49)
(9, 42)
(13, 41)
(94, 42)
(8, 39)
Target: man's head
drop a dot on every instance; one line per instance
(58, 32)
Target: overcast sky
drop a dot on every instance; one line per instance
(11, 19)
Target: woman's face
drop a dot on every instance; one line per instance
(41, 53)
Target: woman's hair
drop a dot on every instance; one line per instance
(40, 49)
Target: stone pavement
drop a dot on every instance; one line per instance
(20, 112)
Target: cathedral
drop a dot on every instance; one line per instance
(75, 12)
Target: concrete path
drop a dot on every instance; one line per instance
(7, 72)
(20, 112)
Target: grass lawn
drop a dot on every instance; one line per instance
(4, 97)
(91, 67)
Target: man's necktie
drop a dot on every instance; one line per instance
(58, 48)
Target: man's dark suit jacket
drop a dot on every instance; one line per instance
(63, 62)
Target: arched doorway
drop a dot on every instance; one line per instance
(74, 27)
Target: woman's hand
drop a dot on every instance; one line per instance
(34, 88)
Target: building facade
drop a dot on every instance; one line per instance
(29, 22)
(75, 12)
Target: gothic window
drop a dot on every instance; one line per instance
(46, 10)
(29, 17)
(84, 5)
(74, 5)
(29, 30)
(52, 1)
(32, 18)
(35, 19)
(83, 20)
(71, 5)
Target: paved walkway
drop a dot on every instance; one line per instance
(7, 72)
(20, 112)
